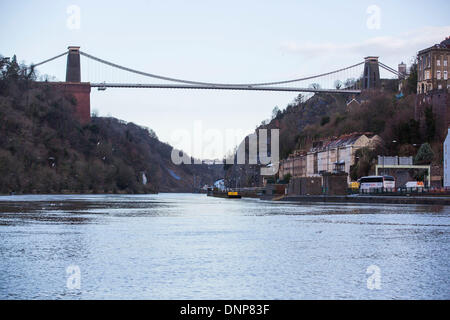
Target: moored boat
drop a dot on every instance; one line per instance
(233, 194)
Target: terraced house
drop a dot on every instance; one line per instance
(327, 155)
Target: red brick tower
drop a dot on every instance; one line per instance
(81, 91)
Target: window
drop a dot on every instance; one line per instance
(445, 75)
(445, 63)
(371, 179)
(438, 62)
(438, 75)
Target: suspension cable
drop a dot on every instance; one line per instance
(389, 69)
(48, 60)
(209, 83)
(386, 67)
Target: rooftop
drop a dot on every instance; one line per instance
(343, 140)
(332, 142)
(444, 45)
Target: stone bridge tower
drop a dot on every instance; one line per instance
(73, 69)
(371, 77)
(73, 86)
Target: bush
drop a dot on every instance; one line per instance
(425, 154)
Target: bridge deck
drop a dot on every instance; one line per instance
(220, 87)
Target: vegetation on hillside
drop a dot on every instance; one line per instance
(44, 149)
(382, 112)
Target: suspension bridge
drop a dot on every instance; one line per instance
(102, 74)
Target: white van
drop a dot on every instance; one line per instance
(414, 184)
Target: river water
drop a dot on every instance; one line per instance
(184, 246)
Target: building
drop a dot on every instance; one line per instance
(433, 68)
(447, 160)
(402, 75)
(433, 86)
(338, 154)
(220, 185)
(295, 165)
(353, 103)
(402, 71)
(403, 169)
(332, 155)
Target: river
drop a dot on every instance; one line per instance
(190, 246)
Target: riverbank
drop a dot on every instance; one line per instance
(430, 200)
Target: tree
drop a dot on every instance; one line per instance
(430, 124)
(364, 158)
(151, 133)
(350, 82)
(338, 84)
(3, 62)
(406, 150)
(13, 69)
(287, 177)
(324, 120)
(411, 82)
(407, 132)
(14, 76)
(425, 154)
(314, 86)
(276, 112)
(299, 99)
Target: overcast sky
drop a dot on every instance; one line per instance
(215, 41)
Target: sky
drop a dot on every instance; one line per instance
(214, 41)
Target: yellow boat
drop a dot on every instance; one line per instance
(233, 194)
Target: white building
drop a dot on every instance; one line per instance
(447, 160)
(220, 184)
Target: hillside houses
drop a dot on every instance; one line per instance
(327, 155)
